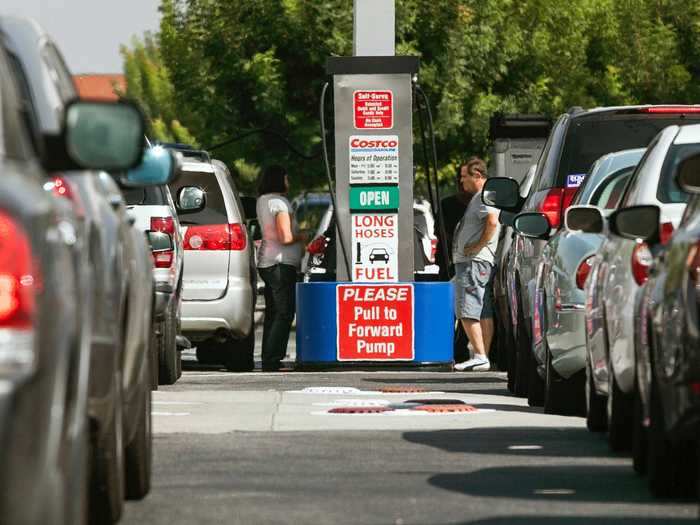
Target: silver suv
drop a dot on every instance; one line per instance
(219, 278)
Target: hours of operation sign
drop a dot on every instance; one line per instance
(374, 159)
(375, 322)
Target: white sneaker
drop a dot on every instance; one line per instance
(476, 363)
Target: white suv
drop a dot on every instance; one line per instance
(153, 210)
(219, 279)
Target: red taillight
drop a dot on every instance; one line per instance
(555, 203)
(671, 109)
(433, 250)
(18, 276)
(163, 259)
(215, 237)
(641, 262)
(582, 271)
(317, 246)
(665, 232)
(163, 224)
(695, 387)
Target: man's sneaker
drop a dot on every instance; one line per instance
(476, 363)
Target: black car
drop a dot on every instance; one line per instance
(667, 424)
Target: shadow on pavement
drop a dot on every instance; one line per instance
(502, 407)
(575, 483)
(464, 380)
(554, 442)
(574, 520)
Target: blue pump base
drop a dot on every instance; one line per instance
(317, 329)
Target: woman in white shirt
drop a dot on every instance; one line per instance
(279, 259)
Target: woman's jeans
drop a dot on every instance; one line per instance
(280, 289)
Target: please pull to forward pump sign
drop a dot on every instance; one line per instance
(375, 322)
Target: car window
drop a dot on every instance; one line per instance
(668, 191)
(692, 209)
(609, 194)
(309, 214)
(546, 164)
(214, 211)
(150, 196)
(589, 138)
(15, 131)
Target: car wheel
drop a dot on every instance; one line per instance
(536, 386)
(523, 350)
(239, 354)
(168, 372)
(139, 453)
(107, 485)
(153, 357)
(639, 437)
(596, 405)
(660, 460)
(620, 422)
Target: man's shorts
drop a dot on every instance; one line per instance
(473, 290)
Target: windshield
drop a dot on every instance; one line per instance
(588, 140)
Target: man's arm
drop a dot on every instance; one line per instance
(490, 227)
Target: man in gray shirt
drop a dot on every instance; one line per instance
(474, 247)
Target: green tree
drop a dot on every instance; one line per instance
(148, 83)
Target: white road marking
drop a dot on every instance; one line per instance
(154, 413)
(554, 492)
(525, 447)
(175, 403)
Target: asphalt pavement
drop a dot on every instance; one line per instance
(264, 448)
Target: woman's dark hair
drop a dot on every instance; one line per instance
(272, 180)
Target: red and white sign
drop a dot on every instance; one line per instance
(375, 322)
(375, 247)
(373, 109)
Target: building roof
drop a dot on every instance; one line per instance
(101, 86)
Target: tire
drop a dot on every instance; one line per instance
(596, 405)
(167, 350)
(107, 483)
(536, 386)
(138, 455)
(620, 417)
(639, 437)
(153, 357)
(239, 353)
(660, 464)
(523, 350)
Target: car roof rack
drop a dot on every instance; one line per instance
(187, 150)
(519, 125)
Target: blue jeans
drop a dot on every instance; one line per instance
(280, 304)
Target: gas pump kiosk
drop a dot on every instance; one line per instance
(374, 315)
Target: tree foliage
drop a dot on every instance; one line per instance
(148, 83)
(238, 66)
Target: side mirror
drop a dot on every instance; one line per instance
(532, 224)
(588, 219)
(159, 241)
(159, 166)
(191, 199)
(636, 222)
(249, 207)
(502, 193)
(688, 177)
(97, 135)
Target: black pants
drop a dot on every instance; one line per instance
(280, 303)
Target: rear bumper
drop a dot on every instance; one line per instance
(233, 313)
